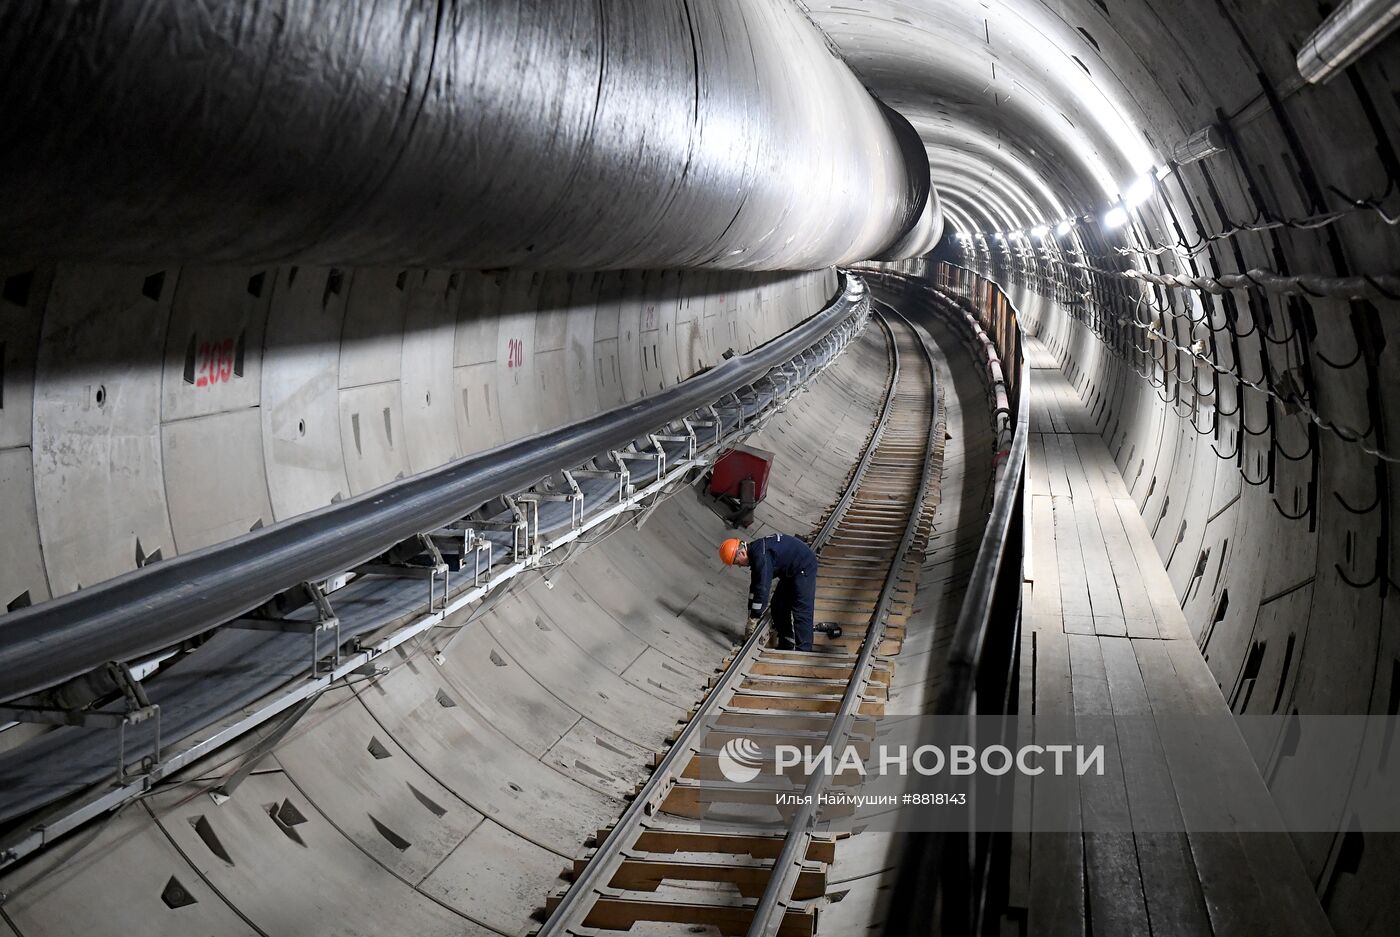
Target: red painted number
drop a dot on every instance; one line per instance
(214, 363)
(515, 353)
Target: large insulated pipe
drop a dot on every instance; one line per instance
(927, 228)
(607, 134)
(1349, 33)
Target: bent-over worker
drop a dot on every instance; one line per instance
(793, 565)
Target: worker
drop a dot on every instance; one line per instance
(793, 565)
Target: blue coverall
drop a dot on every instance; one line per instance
(793, 564)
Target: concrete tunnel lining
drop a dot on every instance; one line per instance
(503, 681)
(1296, 616)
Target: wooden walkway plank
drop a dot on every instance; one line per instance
(1045, 595)
(1169, 880)
(1099, 465)
(1171, 622)
(1055, 474)
(1137, 607)
(1074, 591)
(1115, 900)
(1057, 859)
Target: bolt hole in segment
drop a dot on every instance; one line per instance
(706, 842)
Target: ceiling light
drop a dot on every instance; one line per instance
(1040, 231)
(1140, 191)
(1063, 228)
(1116, 216)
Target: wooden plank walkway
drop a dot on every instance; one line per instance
(1104, 635)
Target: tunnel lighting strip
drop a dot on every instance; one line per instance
(361, 663)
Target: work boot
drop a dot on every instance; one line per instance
(785, 645)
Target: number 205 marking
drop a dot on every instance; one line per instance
(214, 363)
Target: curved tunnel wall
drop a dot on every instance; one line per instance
(620, 134)
(446, 799)
(1280, 628)
(148, 413)
(1293, 615)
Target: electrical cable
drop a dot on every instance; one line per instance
(1310, 223)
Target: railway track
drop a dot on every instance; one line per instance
(701, 850)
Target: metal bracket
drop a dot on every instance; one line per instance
(137, 709)
(714, 421)
(688, 439)
(325, 620)
(623, 474)
(659, 456)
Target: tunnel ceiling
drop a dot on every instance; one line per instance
(1033, 111)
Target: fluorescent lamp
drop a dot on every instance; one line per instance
(1116, 217)
(1140, 191)
(1063, 228)
(1040, 231)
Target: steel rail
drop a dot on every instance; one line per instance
(154, 607)
(596, 874)
(54, 825)
(768, 917)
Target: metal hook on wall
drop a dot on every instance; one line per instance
(1378, 504)
(1307, 508)
(1307, 450)
(1233, 455)
(1340, 367)
(1359, 511)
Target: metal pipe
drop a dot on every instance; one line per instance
(159, 605)
(1349, 33)
(1204, 142)
(553, 135)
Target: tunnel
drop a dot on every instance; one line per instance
(720, 467)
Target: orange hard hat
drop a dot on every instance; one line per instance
(730, 549)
